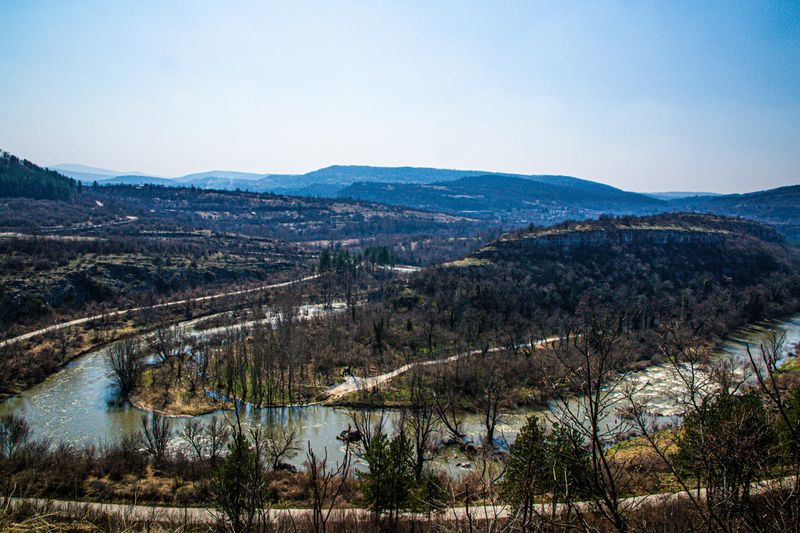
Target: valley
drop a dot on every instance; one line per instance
(149, 329)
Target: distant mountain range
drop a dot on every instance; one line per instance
(506, 199)
(325, 182)
(674, 195)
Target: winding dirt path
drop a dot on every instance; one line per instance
(173, 303)
(402, 269)
(354, 383)
(207, 515)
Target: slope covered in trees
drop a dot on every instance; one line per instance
(21, 178)
(509, 199)
(778, 207)
(651, 269)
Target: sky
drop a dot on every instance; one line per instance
(646, 96)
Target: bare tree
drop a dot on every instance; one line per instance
(127, 363)
(217, 435)
(325, 485)
(279, 444)
(492, 390)
(167, 345)
(592, 360)
(446, 401)
(157, 431)
(369, 423)
(64, 337)
(192, 433)
(420, 419)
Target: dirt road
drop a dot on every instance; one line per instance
(354, 383)
(206, 515)
(173, 303)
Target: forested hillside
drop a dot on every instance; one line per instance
(67, 249)
(21, 178)
(508, 199)
(648, 269)
(779, 207)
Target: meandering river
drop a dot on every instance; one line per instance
(73, 405)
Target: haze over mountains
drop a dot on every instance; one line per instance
(328, 181)
(505, 199)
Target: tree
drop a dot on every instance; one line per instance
(726, 441)
(237, 487)
(527, 472)
(369, 423)
(21, 178)
(192, 433)
(15, 433)
(217, 436)
(325, 485)
(593, 359)
(388, 483)
(785, 403)
(492, 390)
(127, 362)
(725, 444)
(447, 400)
(157, 431)
(542, 464)
(167, 344)
(64, 337)
(420, 420)
(279, 443)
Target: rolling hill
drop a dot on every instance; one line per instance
(507, 199)
(510, 199)
(328, 181)
(22, 179)
(779, 207)
(650, 269)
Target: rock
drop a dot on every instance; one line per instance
(349, 436)
(286, 466)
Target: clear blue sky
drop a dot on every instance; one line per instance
(642, 95)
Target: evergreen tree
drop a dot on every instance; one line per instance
(238, 485)
(21, 178)
(388, 484)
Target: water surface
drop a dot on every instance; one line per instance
(74, 404)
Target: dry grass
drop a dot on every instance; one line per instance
(173, 400)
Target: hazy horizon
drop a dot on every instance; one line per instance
(115, 172)
(648, 98)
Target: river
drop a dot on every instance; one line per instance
(73, 405)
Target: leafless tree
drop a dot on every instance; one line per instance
(64, 336)
(156, 431)
(446, 400)
(593, 358)
(492, 390)
(192, 433)
(325, 485)
(421, 421)
(166, 344)
(369, 423)
(217, 435)
(127, 363)
(279, 444)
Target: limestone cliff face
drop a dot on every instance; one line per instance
(573, 239)
(701, 232)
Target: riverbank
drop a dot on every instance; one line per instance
(32, 357)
